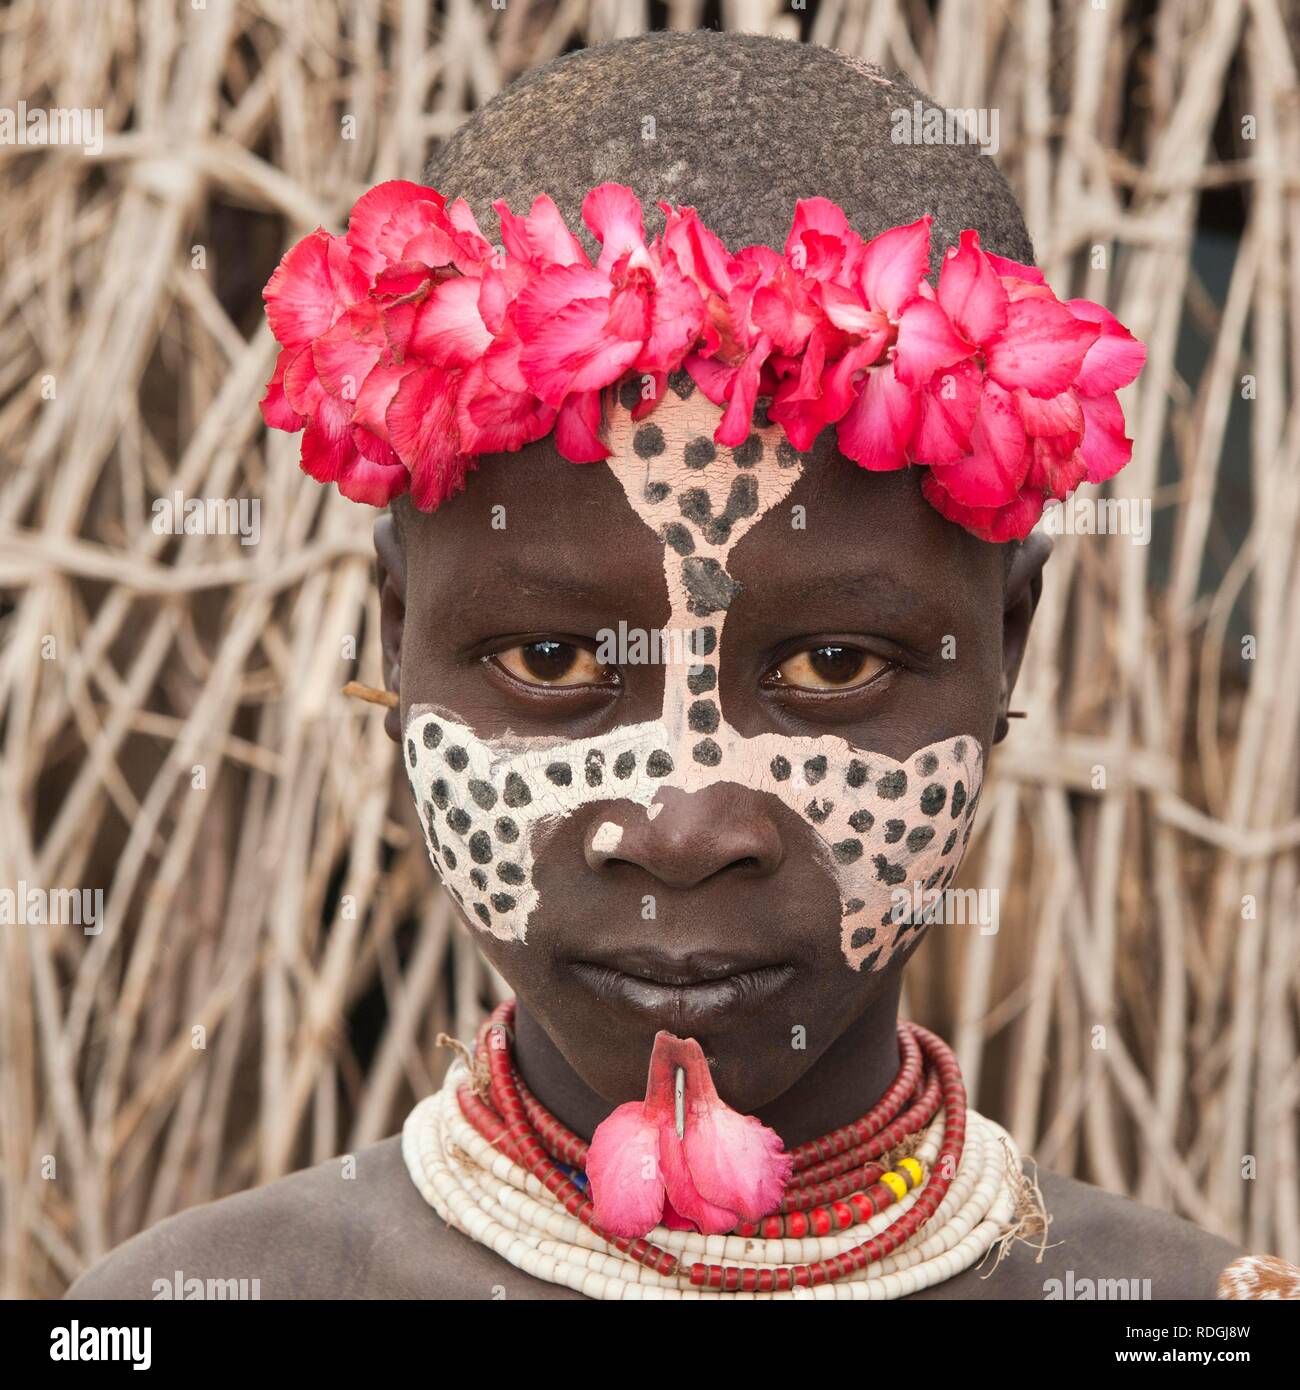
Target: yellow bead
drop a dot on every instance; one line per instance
(913, 1170)
(894, 1183)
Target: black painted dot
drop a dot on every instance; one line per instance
(933, 798)
(559, 773)
(927, 764)
(889, 873)
(958, 798)
(629, 393)
(440, 794)
(786, 454)
(702, 716)
(854, 905)
(455, 892)
(510, 873)
(959, 750)
(949, 876)
(815, 769)
(717, 532)
(950, 842)
(503, 902)
(484, 793)
(433, 834)
(432, 735)
(934, 878)
(458, 820)
(648, 442)
(847, 851)
(709, 587)
(478, 878)
(869, 963)
(701, 678)
(516, 793)
(695, 505)
(762, 406)
(483, 914)
(746, 455)
(594, 767)
(704, 641)
(894, 831)
(480, 847)
(892, 784)
(410, 751)
(656, 492)
(678, 537)
(862, 821)
(818, 811)
(864, 936)
(449, 857)
(707, 752)
(658, 764)
(457, 758)
(919, 837)
(682, 383)
(624, 765)
(507, 830)
(700, 452)
(780, 768)
(856, 774)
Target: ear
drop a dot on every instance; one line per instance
(391, 565)
(1023, 588)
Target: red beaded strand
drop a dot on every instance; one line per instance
(837, 1181)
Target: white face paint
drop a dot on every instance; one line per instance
(879, 826)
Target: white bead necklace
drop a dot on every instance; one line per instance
(494, 1201)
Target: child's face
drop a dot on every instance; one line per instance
(710, 837)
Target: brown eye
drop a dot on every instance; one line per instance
(830, 667)
(554, 663)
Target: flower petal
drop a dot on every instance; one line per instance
(371, 213)
(970, 291)
(613, 212)
(310, 288)
(893, 264)
(627, 1186)
(1114, 359)
(1105, 447)
(927, 342)
(879, 425)
(992, 473)
(1041, 348)
(995, 524)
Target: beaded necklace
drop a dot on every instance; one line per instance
(918, 1189)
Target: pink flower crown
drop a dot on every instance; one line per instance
(411, 346)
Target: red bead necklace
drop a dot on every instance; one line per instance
(838, 1180)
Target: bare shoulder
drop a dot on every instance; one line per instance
(1102, 1246)
(334, 1231)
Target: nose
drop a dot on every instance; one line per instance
(685, 838)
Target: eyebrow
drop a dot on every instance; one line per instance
(863, 587)
(554, 584)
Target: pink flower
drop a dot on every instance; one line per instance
(725, 1169)
(410, 347)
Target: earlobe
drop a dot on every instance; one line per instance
(390, 563)
(1024, 586)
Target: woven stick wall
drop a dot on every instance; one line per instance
(276, 963)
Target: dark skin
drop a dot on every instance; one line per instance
(724, 865)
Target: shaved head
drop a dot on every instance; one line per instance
(738, 126)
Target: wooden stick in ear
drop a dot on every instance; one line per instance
(370, 694)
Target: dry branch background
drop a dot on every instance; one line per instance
(287, 909)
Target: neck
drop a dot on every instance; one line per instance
(841, 1085)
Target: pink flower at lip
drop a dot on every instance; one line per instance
(726, 1167)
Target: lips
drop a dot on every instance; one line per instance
(686, 994)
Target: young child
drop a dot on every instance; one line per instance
(816, 475)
